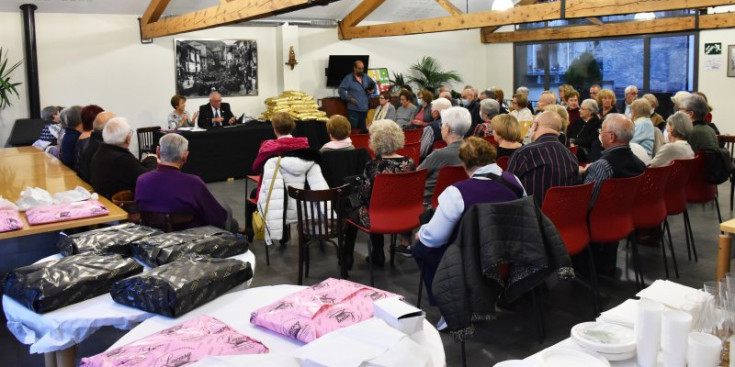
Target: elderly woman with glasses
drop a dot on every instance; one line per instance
(386, 109)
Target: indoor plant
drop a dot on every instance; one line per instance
(7, 87)
(428, 74)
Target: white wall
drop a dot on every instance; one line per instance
(11, 42)
(715, 84)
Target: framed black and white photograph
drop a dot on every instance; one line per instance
(731, 61)
(227, 66)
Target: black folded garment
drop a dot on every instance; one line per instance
(115, 239)
(165, 248)
(178, 287)
(54, 284)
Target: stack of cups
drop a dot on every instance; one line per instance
(648, 332)
(675, 328)
(703, 350)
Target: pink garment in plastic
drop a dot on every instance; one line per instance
(65, 212)
(10, 220)
(320, 309)
(179, 345)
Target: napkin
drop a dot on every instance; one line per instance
(668, 293)
(623, 314)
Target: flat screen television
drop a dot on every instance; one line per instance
(341, 65)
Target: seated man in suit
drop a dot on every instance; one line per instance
(215, 113)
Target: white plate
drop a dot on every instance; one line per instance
(618, 356)
(516, 363)
(560, 357)
(604, 338)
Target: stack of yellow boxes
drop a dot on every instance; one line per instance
(299, 105)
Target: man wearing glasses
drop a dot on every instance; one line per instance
(215, 113)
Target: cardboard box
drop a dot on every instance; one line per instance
(399, 315)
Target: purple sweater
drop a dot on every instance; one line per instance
(168, 190)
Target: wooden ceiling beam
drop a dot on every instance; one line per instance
(595, 21)
(596, 8)
(361, 11)
(488, 30)
(225, 13)
(154, 10)
(449, 7)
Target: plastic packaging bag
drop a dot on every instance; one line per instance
(178, 287)
(165, 248)
(72, 196)
(50, 285)
(6, 204)
(10, 220)
(65, 212)
(33, 197)
(116, 239)
(179, 345)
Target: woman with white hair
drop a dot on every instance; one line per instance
(386, 138)
(679, 127)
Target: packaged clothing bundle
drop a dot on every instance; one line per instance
(49, 285)
(182, 285)
(10, 220)
(165, 248)
(180, 345)
(115, 239)
(322, 308)
(65, 212)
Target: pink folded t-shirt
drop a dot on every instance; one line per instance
(322, 308)
(65, 212)
(10, 220)
(180, 345)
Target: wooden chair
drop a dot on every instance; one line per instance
(167, 222)
(126, 200)
(146, 140)
(320, 218)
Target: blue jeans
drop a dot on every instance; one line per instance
(428, 259)
(357, 119)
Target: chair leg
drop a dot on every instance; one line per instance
(393, 239)
(719, 215)
(671, 248)
(593, 279)
(421, 287)
(732, 191)
(686, 235)
(267, 255)
(464, 355)
(301, 263)
(306, 260)
(538, 313)
(688, 223)
(663, 252)
(636, 263)
(370, 262)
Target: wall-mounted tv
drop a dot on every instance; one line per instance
(341, 65)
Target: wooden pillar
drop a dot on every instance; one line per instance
(723, 256)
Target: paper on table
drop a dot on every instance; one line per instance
(623, 314)
(250, 360)
(669, 293)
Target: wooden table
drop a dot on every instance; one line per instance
(27, 166)
(723, 248)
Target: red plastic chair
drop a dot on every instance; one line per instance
(411, 150)
(447, 176)
(699, 191)
(392, 210)
(362, 141)
(491, 139)
(676, 200)
(573, 150)
(413, 135)
(503, 162)
(440, 144)
(649, 211)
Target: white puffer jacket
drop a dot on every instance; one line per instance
(294, 172)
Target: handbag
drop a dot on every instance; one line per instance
(258, 219)
(352, 200)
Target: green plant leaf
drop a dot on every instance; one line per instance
(7, 87)
(427, 74)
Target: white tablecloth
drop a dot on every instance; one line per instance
(70, 325)
(234, 309)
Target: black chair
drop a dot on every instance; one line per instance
(320, 219)
(338, 164)
(167, 222)
(146, 140)
(25, 132)
(728, 142)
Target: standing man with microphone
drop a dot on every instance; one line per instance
(215, 113)
(355, 90)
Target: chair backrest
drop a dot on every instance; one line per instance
(649, 208)
(439, 144)
(319, 211)
(727, 142)
(447, 176)
(362, 141)
(146, 139)
(413, 135)
(25, 132)
(574, 149)
(491, 139)
(397, 201)
(338, 164)
(503, 162)
(411, 150)
(167, 222)
(611, 217)
(126, 200)
(698, 190)
(676, 194)
(567, 208)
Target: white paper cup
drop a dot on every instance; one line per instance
(703, 350)
(648, 332)
(675, 328)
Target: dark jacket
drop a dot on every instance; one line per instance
(206, 115)
(115, 169)
(85, 160)
(468, 280)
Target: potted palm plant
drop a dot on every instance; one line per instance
(428, 74)
(7, 87)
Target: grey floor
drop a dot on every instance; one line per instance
(513, 335)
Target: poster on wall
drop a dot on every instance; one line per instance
(382, 79)
(731, 60)
(227, 66)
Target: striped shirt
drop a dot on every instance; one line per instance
(543, 164)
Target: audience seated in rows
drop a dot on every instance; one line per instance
(423, 115)
(489, 108)
(71, 117)
(547, 98)
(643, 133)
(679, 127)
(113, 167)
(385, 109)
(89, 113)
(562, 112)
(386, 137)
(703, 136)
(455, 123)
(589, 128)
(95, 141)
(168, 190)
(432, 132)
(624, 107)
(338, 128)
(606, 100)
(507, 132)
(51, 127)
(499, 95)
(471, 103)
(521, 108)
(573, 112)
(487, 184)
(657, 120)
(406, 110)
(545, 162)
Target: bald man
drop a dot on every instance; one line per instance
(545, 162)
(95, 141)
(215, 113)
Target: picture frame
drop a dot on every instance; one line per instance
(731, 61)
(229, 67)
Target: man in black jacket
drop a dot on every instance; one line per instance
(95, 141)
(215, 113)
(113, 167)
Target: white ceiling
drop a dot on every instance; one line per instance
(390, 11)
